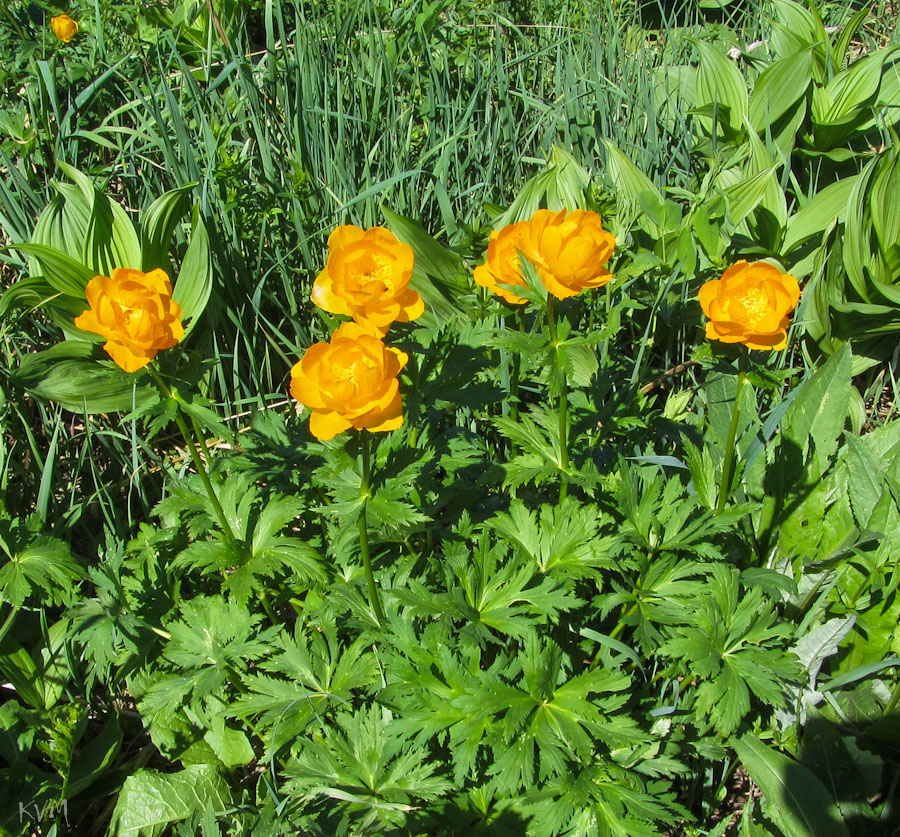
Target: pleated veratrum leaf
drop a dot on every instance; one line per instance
(158, 224)
(110, 240)
(884, 205)
(886, 110)
(799, 28)
(851, 90)
(195, 279)
(630, 183)
(857, 252)
(439, 274)
(561, 185)
(745, 195)
(817, 215)
(37, 292)
(720, 83)
(780, 88)
(64, 273)
(795, 799)
(849, 30)
(69, 374)
(773, 198)
(64, 223)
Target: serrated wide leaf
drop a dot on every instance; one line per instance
(150, 801)
(819, 409)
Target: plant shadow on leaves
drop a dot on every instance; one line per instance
(858, 763)
(788, 485)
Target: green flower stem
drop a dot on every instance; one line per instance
(267, 605)
(563, 404)
(614, 633)
(8, 623)
(516, 371)
(894, 700)
(11, 19)
(364, 483)
(198, 461)
(199, 436)
(728, 466)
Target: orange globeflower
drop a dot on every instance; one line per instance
(569, 250)
(136, 314)
(367, 278)
(502, 266)
(350, 382)
(63, 27)
(750, 304)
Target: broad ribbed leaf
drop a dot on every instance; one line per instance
(796, 800)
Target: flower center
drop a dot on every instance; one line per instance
(375, 270)
(755, 302)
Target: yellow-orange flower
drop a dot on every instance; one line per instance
(569, 250)
(367, 278)
(63, 27)
(136, 314)
(750, 304)
(350, 382)
(502, 265)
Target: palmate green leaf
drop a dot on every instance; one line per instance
(665, 594)
(436, 690)
(261, 551)
(30, 560)
(729, 645)
(321, 674)
(490, 592)
(213, 640)
(546, 721)
(600, 799)
(795, 799)
(507, 595)
(150, 801)
(230, 745)
(562, 538)
(364, 773)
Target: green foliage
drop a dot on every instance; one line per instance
(503, 617)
